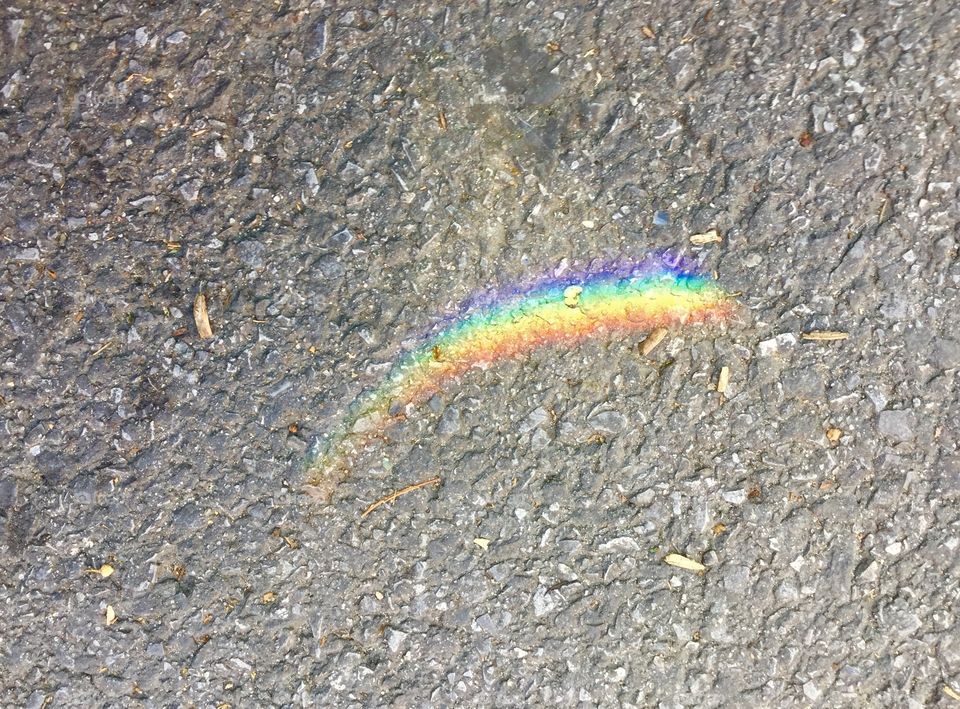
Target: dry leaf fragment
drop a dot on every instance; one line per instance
(723, 379)
(711, 236)
(105, 571)
(482, 542)
(111, 615)
(201, 318)
(292, 542)
(824, 335)
(652, 340)
(648, 32)
(571, 296)
(442, 120)
(682, 562)
(951, 692)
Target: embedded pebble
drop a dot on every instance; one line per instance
(897, 425)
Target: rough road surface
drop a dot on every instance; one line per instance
(333, 178)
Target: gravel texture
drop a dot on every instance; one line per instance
(334, 177)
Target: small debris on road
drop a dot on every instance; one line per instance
(652, 340)
(201, 318)
(824, 335)
(683, 562)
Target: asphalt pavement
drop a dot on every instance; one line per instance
(329, 180)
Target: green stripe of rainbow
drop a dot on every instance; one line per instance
(556, 312)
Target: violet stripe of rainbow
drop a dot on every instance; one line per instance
(505, 324)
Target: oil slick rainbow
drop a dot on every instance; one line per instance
(557, 311)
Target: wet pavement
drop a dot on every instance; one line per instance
(335, 179)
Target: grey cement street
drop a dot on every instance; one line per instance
(334, 178)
